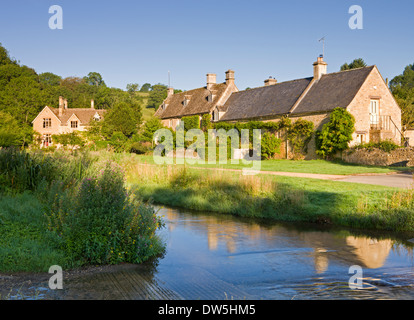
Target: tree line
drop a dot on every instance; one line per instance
(24, 93)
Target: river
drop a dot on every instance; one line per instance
(219, 257)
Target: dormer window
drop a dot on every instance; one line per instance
(73, 124)
(211, 96)
(186, 101)
(164, 106)
(97, 117)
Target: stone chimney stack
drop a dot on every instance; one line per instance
(211, 80)
(61, 106)
(270, 82)
(170, 92)
(229, 77)
(320, 68)
(65, 103)
(92, 104)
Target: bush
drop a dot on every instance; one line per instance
(336, 134)
(100, 223)
(386, 146)
(140, 147)
(270, 145)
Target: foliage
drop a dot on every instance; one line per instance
(12, 133)
(270, 145)
(190, 122)
(119, 142)
(69, 139)
(336, 134)
(150, 127)
(386, 145)
(123, 117)
(402, 87)
(299, 135)
(357, 63)
(100, 223)
(145, 87)
(157, 95)
(94, 79)
(206, 122)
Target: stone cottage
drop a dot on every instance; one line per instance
(363, 92)
(51, 121)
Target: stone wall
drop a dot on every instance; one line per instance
(402, 157)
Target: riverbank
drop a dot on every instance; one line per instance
(276, 198)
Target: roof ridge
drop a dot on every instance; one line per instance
(354, 69)
(273, 85)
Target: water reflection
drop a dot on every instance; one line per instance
(324, 246)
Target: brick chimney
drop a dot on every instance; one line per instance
(170, 92)
(319, 68)
(211, 80)
(61, 106)
(270, 82)
(229, 77)
(92, 104)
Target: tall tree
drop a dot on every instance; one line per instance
(157, 95)
(123, 117)
(49, 78)
(145, 87)
(402, 87)
(357, 63)
(94, 79)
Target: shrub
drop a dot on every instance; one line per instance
(336, 134)
(100, 223)
(270, 145)
(140, 147)
(299, 134)
(386, 146)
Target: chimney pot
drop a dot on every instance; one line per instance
(211, 80)
(170, 92)
(65, 103)
(270, 82)
(60, 106)
(229, 77)
(319, 68)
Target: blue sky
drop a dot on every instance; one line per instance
(140, 41)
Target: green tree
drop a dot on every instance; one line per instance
(145, 87)
(402, 87)
(157, 95)
(150, 127)
(5, 57)
(336, 134)
(12, 132)
(132, 87)
(357, 63)
(50, 79)
(94, 79)
(123, 117)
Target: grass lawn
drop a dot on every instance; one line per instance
(308, 166)
(276, 197)
(25, 243)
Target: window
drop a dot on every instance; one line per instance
(73, 124)
(97, 117)
(48, 139)
(47, 122)
(374, 112)
(360, 138)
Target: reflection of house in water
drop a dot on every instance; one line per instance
(325, 246)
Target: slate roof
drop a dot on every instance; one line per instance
(198, 103)
(333, 90)
(84, 115)
(270, 100)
